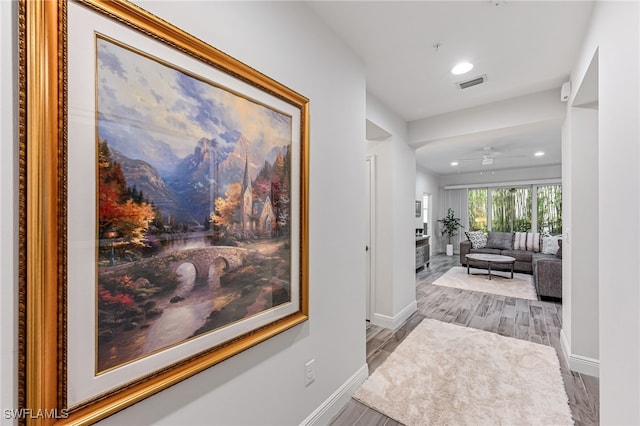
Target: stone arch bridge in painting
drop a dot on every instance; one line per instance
(201, 258)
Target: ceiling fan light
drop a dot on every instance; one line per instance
(462, 68)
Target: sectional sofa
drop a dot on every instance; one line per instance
(535, 254)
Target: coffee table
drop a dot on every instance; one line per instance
(491, 259)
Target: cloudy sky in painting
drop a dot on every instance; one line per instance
(141, 101)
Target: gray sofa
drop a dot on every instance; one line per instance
(545, 268)
(547, 275)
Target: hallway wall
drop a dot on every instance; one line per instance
(614, 32)
(263, 385)
(395, 217)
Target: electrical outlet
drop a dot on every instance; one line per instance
(310, 372)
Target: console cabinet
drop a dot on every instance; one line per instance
(422, 251)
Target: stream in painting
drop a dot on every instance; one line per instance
(184, 311)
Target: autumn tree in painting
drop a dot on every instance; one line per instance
(120, 209)
(262, 184)
(226, 207)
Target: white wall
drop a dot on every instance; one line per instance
(567, 253)
(404, 241)
(263, 385)
(524, 111)
(614, 33)
(8, 207)
(427, 183)
(382, 150)
(395, 217)
(581, 329)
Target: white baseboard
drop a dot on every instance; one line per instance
(334, 404)
(397, 320)
(579, 363)
(585, 365)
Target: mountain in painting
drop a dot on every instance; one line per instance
(145, 178)
(187, 193)
(195, 180)
(232, 169)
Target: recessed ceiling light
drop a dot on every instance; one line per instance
(539, 154)
(461, 68)
(454, 163)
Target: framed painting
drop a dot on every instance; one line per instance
(418, 208)
(163, 208)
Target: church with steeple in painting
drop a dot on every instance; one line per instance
(256, 216)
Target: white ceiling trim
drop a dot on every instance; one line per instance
(507, 184)
(526, 110)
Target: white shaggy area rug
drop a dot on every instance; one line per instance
(445, 374)
(521, 286)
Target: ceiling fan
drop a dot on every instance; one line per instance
(487, 155)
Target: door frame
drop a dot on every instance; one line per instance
(370, 237)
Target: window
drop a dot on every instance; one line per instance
(478, 209)
(425, 213)
(511, 209)
(550, 209)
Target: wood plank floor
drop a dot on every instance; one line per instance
(535, 321)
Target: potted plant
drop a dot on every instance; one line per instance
(450, 225)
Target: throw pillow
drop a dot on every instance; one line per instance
(500, 240)
(520, 241)
(477, 238)
(550, 244)
(533, 242)
(559, 252)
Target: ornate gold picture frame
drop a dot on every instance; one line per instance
(107, 259)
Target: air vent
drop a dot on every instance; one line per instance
(473, 82)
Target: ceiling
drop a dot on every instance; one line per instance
(409, 48)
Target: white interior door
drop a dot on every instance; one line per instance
(369, 235)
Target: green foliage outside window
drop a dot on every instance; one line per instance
(511, 209)
(549, 209)
(478, 209)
